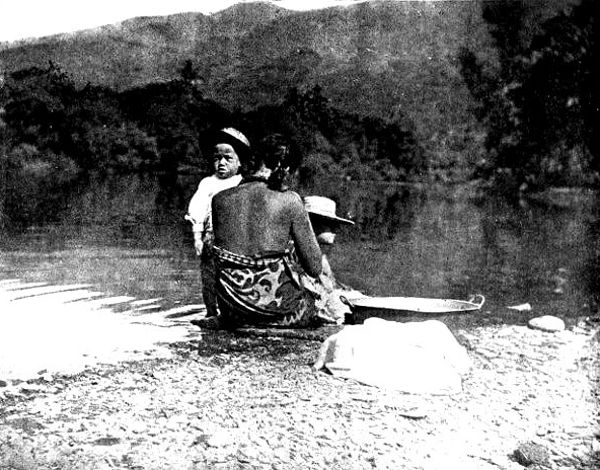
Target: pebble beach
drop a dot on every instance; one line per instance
(237, 401)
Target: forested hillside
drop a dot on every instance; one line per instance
(405, 89)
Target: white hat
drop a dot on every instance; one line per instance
(231, 136)
(237, 135)
(323, 207)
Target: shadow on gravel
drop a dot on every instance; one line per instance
(266, 343)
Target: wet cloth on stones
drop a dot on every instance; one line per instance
(262, 290)
(413, 357)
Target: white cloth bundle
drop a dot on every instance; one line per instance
(414, 357)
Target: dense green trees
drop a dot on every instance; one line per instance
(539, 104)
(160, 126)
(530, 69)
(48, 119)
(175, 113)
(332, 142)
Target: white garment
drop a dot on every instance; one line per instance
(412, 357)
(199, 209)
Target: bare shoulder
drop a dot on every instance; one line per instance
(291, 197)
(222, 197)
(292, 201)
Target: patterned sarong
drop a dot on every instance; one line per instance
(262, 290)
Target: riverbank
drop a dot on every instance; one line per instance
(49, 330)
(234, 401)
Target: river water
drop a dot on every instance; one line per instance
(125, 235)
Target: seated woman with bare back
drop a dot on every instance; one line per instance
(263, 239)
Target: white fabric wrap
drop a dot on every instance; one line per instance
(414, 357)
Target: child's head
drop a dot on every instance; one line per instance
(226, 161)
(324, 228)
(229, 149)
(323, 218)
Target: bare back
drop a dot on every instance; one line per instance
(252, 219)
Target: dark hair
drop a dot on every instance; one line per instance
(274, 153)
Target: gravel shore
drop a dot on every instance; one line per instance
(234, 401)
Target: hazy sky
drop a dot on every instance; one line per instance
(21, 19)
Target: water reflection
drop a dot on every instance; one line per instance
(126, 234)
(380, 211)
(29, 198)
(590, 261)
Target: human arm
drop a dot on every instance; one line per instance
(198, 230)
(198, 240)
(307, 247)
(198, 213)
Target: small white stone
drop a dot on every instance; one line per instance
(521, 307)
(547, 323)
(220, 438)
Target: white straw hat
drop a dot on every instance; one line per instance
(237, 135)
(231, 136)
(323, 207)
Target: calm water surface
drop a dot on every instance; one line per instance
(126, 235)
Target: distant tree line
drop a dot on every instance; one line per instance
(49, 124)
(540, 104)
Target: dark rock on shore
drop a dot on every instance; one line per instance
(530, 453)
